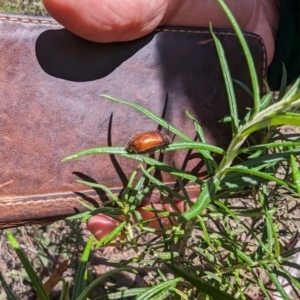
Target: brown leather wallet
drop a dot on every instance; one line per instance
(50, 82)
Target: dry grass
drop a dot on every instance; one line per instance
(47, 248)
(28, 7)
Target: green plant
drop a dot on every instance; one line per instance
(234, 245)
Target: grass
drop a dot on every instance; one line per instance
(28, 7)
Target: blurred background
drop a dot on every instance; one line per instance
(28, 7)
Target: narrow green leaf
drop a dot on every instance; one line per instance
(237, 183)
(155, 290)
(202, 286)
(195, 146)
(179, 173)
(164, 294)
(228, 83)
(276, 282)
(243, 256)
(288, 102)
(181, 294)
(248, 56)
(289, 253)
(269, 159)
(9, 293)
(85, 215)
(260, 174)
(129, 191)
(144, 159)
(209, 161)
(268, 220)
(294, 281)
(243, 86)
(206, 236)
(151, 115)
(110, 211)
(35, 279)
(134, 201)
(101, 187)
(296, 173)
(283, 82)
(98, 150)
(165, 255)
(205, 197)
(274, 120)
(161, 186)
(95, 283)
(184, 191)
(138, 190)
(262, 286)
(225, 119)
(87, 206)
(256, 212)
(265, 101)
(112, 234)
(290, 264)
(198, 128)
(65, 291)
(124, 294)
(123, 152)
(267, 146)
(216, 277)
(161, 274)
(292, 90)
(259, 240)
(80, 280)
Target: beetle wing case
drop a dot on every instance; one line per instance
(147, 142)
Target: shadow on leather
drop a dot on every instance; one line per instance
(64, 55)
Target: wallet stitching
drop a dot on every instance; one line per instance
(27, 20)
(46, 201)
(11, 202)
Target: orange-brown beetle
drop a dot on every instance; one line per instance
(147, 142)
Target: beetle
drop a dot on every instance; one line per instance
(147, 142)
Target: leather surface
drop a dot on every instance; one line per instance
(50, 81)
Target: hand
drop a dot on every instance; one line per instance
(122, 20)
(101, 225)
